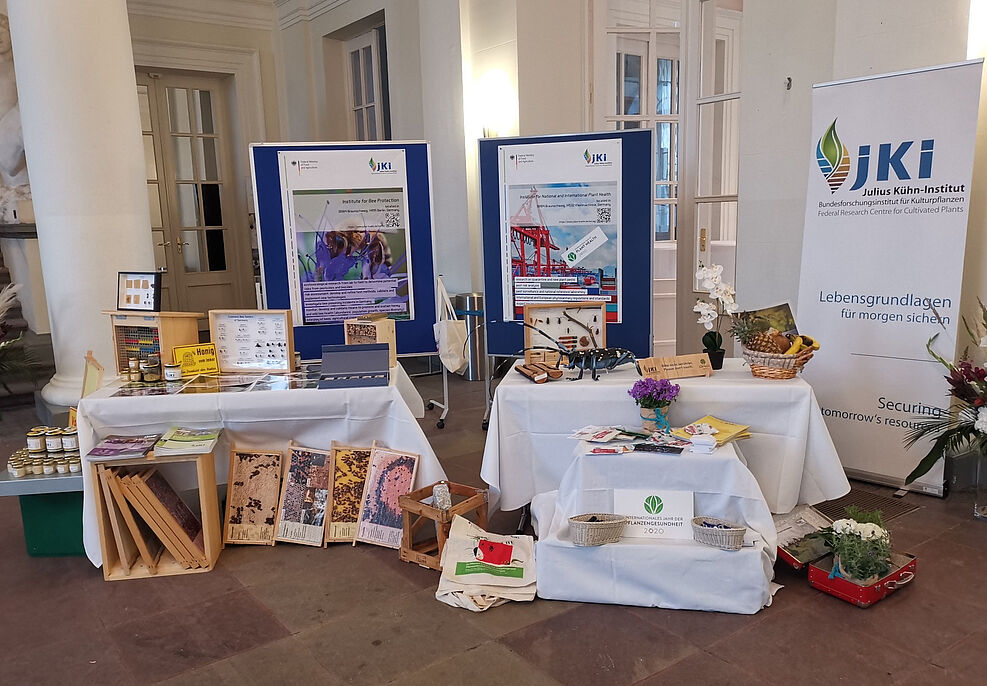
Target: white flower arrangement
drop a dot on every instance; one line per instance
(981, 423)
(721, 303)
(865, 531)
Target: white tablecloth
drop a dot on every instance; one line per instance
(654, 572)
(790, 452)
(257, 419)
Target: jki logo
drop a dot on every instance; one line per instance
(379, 166)
(653, 504)
(594, 157)
(834, 160)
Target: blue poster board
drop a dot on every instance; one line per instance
(506, 338)
(414, 336)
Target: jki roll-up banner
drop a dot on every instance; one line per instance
(882, 256)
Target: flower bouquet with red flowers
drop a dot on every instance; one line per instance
(965, 425)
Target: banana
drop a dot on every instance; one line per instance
(809, 342)
(795, 347)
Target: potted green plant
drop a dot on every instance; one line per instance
(15, 362)
(861, 546)
(711, 312)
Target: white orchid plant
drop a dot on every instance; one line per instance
(721, 304)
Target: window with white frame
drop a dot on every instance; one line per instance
(642, 53)
(367, 86)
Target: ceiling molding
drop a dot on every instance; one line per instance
(246, 14)
(291, 12)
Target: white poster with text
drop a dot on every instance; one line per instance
(561, 227)
(346, 234)
(882, 256)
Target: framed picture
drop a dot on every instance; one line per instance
(349, 473)
(252, 497)
(301, 514)
(253, 340)
(391, 475)
(139, 291)
(573, 326)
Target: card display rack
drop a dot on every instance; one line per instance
(142, 334)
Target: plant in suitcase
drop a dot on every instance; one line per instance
(861, 546)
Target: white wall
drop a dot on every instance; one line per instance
(813, 42)
(424, 68)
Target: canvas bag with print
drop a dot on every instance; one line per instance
(475, 585)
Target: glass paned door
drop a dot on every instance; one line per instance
(202, 245)
(363, 79)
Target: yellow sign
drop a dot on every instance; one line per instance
(197, 359)
(676, 367)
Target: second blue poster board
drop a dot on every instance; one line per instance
(633, 332)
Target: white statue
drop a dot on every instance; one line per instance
(13, 165)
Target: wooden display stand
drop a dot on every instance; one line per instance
(143, 333)
(372, 329)
(429, 553)
(115, 568)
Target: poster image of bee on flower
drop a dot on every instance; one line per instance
(353, 254)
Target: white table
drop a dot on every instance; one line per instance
(677, 574)
(258, 420)
(790, 452)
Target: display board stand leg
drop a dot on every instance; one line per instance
(485, 424)
(441, 424)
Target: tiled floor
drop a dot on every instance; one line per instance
(295, 614)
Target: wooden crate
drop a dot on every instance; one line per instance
(114, 569)
(143, 333)
(428, 553)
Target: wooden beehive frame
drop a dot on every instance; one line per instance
(429, 553)
(569, 323)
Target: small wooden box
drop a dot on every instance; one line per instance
(575, 326)
(141, 334)
(429, 553)
(113, 566)
(363, 330)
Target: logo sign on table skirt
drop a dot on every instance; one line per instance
(655, 514)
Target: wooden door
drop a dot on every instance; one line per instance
(201, 240)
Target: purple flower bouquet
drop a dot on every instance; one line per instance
(653, 394)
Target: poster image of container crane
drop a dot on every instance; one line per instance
(352, 258)
(564, 245)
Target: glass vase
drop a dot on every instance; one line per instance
(980, 497)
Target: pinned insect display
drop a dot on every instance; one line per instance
(576, 326)
(593, 360)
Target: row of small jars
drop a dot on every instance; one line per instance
(25, 463)
(52, 439)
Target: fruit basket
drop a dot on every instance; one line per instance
(776, 365)
(770, 353)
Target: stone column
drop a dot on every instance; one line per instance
(82, 137)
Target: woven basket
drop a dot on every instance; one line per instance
(727, 539)
(776, 365)
(606, 529)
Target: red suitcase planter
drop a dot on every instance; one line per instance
(902, 572)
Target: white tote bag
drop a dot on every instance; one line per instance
(450, 333)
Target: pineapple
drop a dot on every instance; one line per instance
(752, 333)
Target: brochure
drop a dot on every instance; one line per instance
(123, 446)
(722, 431)
(184, 441)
